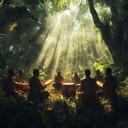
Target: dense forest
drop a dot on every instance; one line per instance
(68, 36)
(87, 32)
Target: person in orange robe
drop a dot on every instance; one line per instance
(37, 92)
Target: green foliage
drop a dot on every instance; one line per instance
(3, 74)
(124, 90)
(46, 120)
(122, 122)
(101, 67)
(104, 101)
(54, 6)
(80, 71)
(17, 44)
(42, 75)
(65, 112)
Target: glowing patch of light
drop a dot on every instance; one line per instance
(12, 26)
(1, 2)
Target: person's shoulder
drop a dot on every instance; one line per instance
(93, 79)
(106, 77)
(111, 77)
(83, 80)
(114, 78)
(32, 78)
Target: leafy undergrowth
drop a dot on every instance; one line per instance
(64, 113)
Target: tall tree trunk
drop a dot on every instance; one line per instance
(113, 36)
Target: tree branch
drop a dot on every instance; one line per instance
(113, 10)
(96, 19)
(104, 28)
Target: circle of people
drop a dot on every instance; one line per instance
(88, 87)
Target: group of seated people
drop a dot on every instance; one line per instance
(59, 79)
(13, 84)
(88, 86)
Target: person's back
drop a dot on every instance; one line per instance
(110, 85)
(88, 86)
(35, 85)
(37, 92)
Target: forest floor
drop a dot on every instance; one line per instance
(58, 110)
